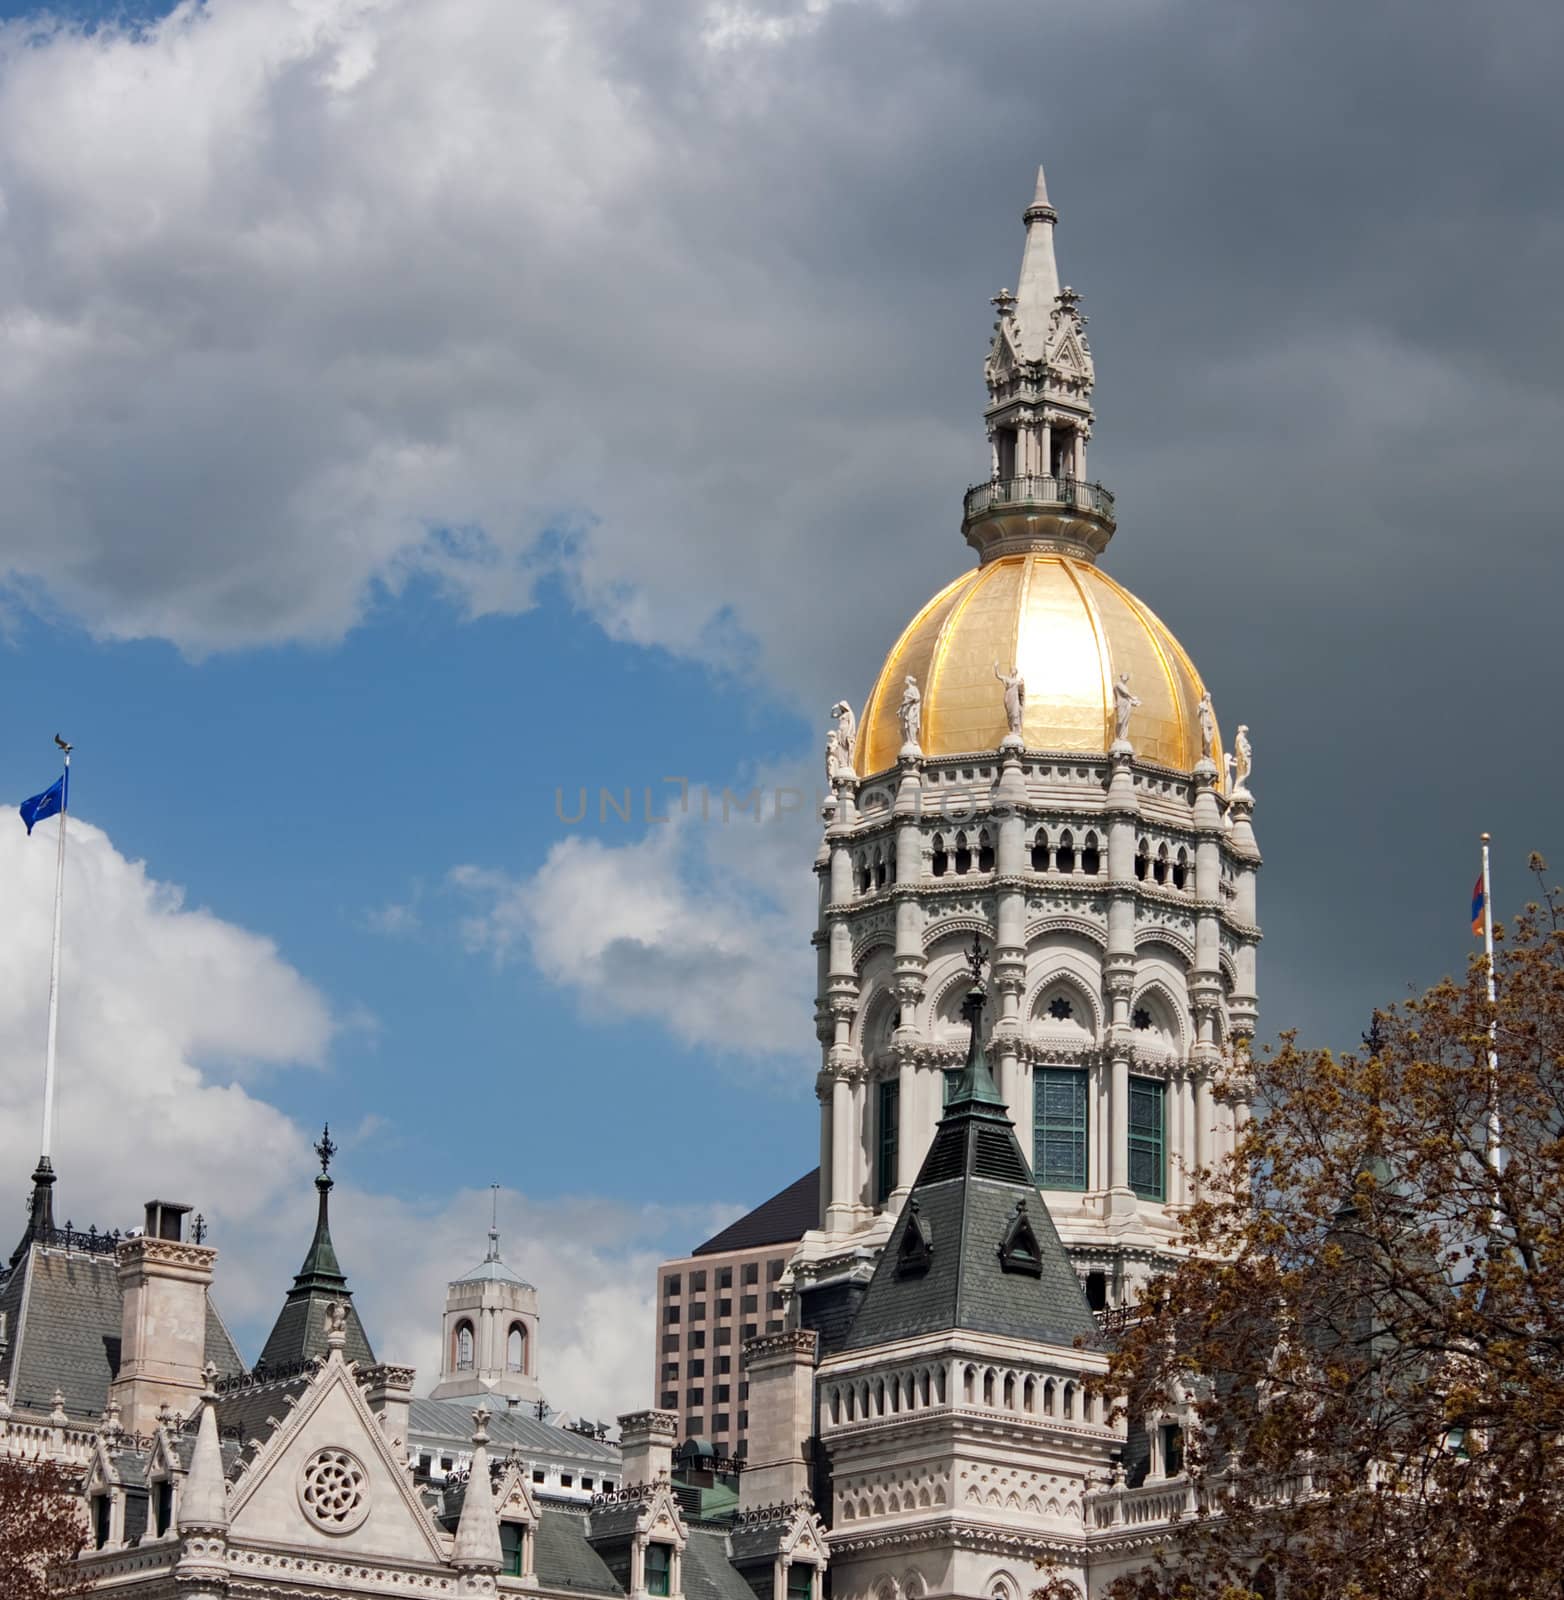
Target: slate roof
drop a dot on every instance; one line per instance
(63, 1315)
(449, 1422)
(243, 1410)
(709, 1574)
(784, 1218)
(965, 1200)
(299, 1333)
(565, 1560)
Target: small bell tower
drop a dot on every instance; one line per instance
(490, 1343)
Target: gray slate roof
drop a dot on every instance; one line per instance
(709, 1574)
(299, 1333)
(564, 1558)
(449, 1422)
(965, 1196)
(63, 1312)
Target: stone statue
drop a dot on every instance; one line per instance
(910, 711)
(846, 734)
(1015, 702)
(833, 755)
(1207, 727)
(1123, 704)
(1244, 757)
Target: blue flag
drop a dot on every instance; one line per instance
(48, 804)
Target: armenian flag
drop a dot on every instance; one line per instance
(1479, 902)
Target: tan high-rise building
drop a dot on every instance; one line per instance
(709, 1302)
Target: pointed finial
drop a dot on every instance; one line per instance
(976, 959)
(494, 1222)
(1041, 209)
(325, 1149)
(198, 1229)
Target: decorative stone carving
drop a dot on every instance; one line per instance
(833, 755)
(1015, 706)
(910, 714)
(1124, 703)
(333, 1490)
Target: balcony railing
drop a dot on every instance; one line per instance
(1075, 493)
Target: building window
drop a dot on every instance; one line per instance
(162, 1506)
(725, 1277)
(462, 1352)
(659, 1569)
(586, 1482)
(774, 1325)
(775, 1268)
(670, 1344)
(889, 1101)
(538, 1475)
(750, 1305)
(1140, 1020)
(669, 1402)
(725, 1308)
(697, 1311)
(752, 1272)
(723, 1364)
(722, 1393)
(720, 1422)
(694, 1397)
(1172, 1449)
(671, 1315)
(671, 1283)
(724, 1336)
(694, 1427)
(695, 1368)
(101, 1511)
(774, 1300)
(516, 1348)
(744, 1390)
(1059, 1128)
(698, 1339)
(670, 1372)
(1060, 1009)
(513, 1538)
(697, 1282)
(800, 1581)
(567, 1480)
(750, 1330)
(1147, 1138)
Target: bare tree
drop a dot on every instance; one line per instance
(42, 1527)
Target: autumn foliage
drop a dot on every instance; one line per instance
(1366, 1353)
(42, 1526)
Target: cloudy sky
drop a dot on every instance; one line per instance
(412, 414)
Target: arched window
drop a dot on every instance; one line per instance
(1142, 858)
(462, 1347)
(864, 877)
(938, 860)
(879, 868)
(1067, 851)
(1181, 868)
(1091, 856)
(985, 852)
(1160, 871)
(516, 1349)
(963, 855)
(1040, 850)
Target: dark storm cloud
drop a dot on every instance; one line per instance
(711, 283)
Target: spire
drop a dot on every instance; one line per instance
(975, 1092)
(40, 1212)
(203, 1503)
(477, 1546)
(494, 1224)
(297, 1334)
(1038, 289)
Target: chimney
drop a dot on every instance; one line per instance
(646, 1446)
(780, 1371)
(163, 1282)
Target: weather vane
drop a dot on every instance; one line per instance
(325, 1149)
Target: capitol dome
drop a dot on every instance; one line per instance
(1069, 629)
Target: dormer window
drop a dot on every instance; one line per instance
(162, 1506)
(800, 1581)
(659, 1569)
(102, 1513)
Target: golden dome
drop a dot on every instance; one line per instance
(1070, 630)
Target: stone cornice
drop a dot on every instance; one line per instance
(145, 1250)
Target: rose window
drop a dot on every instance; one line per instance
(333, 1490)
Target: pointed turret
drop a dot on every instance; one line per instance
(477, 1547)
(298, 1334)
(203, 1503)
(975, 1249)
(40, 1214)
(1038, 289)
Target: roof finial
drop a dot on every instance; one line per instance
(494, 1223)
(325, 1149)
(1040, 201)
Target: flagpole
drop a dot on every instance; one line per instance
(54, 965)
(1495, 1148)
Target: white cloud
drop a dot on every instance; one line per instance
(298, 302)
(701, 925)
(168, 1014)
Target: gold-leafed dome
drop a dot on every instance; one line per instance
(1070, 630)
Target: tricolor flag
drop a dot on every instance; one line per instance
(48, 804)
(1479, 901)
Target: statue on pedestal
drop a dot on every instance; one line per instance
(1243, 753)
(1015, 703)
(846, 734)
(1207, 727)
(1123, 704)
(910, 713)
